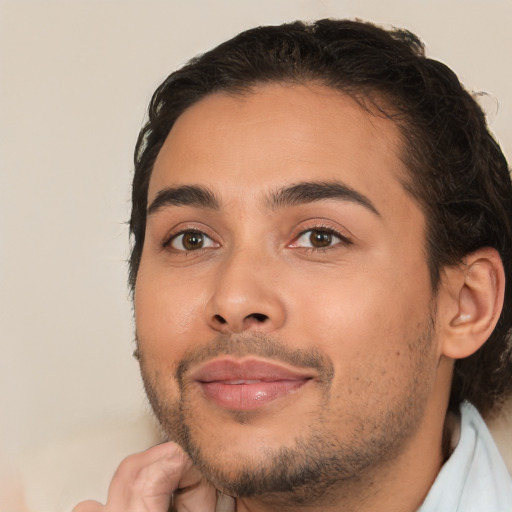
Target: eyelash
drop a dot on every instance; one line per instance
(167, 244)
(343, 240)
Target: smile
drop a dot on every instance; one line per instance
(246, 385)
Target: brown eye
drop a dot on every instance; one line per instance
(320, 238)
(191, 241)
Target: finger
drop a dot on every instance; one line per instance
(225, 503)
(199, 497)
(146, 481)
(12, 496)
(89, 506)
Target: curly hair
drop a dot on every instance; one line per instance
(455, 169)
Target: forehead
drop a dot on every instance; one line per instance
(279, 134)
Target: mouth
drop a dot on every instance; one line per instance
(248, 384)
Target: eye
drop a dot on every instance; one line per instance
(191, 240)
(319, 238)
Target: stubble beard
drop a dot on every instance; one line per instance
(315, 467)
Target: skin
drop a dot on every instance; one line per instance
(361, 303)
(259, 288)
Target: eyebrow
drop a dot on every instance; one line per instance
(184, 195)
(293, 195)
(312, 191)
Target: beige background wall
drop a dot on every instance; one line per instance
(75, 78)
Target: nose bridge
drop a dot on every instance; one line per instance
(245, 295)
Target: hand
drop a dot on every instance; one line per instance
(160, 479)
(11, 487)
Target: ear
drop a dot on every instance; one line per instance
(471, 302)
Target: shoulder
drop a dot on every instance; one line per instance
(475, 477)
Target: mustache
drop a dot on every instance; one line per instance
(260, 345)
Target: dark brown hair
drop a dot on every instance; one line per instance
(456, 171)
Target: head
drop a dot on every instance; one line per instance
(443, 160)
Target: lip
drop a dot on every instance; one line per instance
(248, 384)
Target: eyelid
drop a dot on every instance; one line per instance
(207, 242)
(180, 230)
(344, 238)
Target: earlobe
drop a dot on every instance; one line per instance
(476, 289)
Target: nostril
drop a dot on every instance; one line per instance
(259, 317)
(220, 319)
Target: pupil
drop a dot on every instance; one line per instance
(320, 239)
(192, 241)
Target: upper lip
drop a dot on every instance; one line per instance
(251, 369)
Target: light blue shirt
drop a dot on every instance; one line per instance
(474, 478)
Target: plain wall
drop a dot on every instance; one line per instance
(75, 80)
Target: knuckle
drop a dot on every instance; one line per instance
(148, 481)
(88, 506)
(129, 468)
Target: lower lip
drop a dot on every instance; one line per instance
(249, 396)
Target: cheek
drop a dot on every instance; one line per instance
(363, 317)
(378, 341)
(168, 314)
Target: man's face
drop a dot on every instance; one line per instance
(283, 302)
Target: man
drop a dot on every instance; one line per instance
(322, 240)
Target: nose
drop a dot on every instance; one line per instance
(245, 295)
